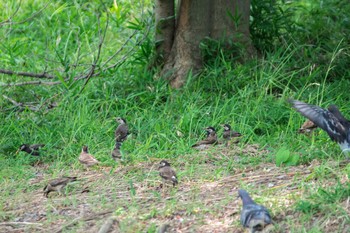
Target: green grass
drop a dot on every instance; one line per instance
(311, 196)
(155, 114)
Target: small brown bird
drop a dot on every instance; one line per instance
(230, 135)
(211, 139)
(57, 185)
(116, 151)
(167, 173)
(122, 131)
(31, 149)
(307, 128)
(87, 159)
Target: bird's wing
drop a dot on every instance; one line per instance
(227, 135)
(323, 118)
(255, 213)
(234, 134)
(121, 133)
(335, 111)
(59, 181)
(167, 173)
(87, 158)
(37, 146)
(209, 140)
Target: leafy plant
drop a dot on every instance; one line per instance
(284, 157)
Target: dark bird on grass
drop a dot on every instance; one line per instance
(122, 131)
(163, 228)
(87, 159)
(211, 139)
(31, 149)
(230, 135)
(330, 120)
(167, 173)
(57, 185)
(116, 151)
(307, 128)
(253, 216)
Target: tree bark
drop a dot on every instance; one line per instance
(196, 20)
(165, 27)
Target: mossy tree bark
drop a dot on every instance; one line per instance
(196, 20)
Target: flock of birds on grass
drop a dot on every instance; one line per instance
(253, 216)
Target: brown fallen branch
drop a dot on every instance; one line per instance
(36, 106)
(86, 218)
(20, 105)
(27, 74)
(19, 223)
(30, 83)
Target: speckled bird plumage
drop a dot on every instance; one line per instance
(331, 121)
(116, 155)
(307, 127)
(122, 131)
(87, 159)
(211, 139)
(230, 135)
(167, 173)
(31, 149)
(253, 216)
(57, 185)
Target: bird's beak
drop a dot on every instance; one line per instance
(18, 150)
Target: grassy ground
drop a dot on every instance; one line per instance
(309, 192)
(312, 196)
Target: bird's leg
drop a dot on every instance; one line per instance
(60, 191)
(163, 188)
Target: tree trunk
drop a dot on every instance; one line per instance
(196, 20)
(165, 27)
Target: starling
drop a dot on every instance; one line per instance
(307, 128)
(331, 121)
(230, 134)
(31, 149)
(116, 151)
(87, 159)
(57, 185)
(167, 173)
(211, 139)
(253, 216)
(122, 131)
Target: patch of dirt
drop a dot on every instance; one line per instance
(132, 195)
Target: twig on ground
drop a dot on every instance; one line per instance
(86, 218)
(107, 226)
(20, 105)
(30, 106)
(19, 223)
(27, 74)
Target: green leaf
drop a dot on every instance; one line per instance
(282, 156)
(293, 160)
